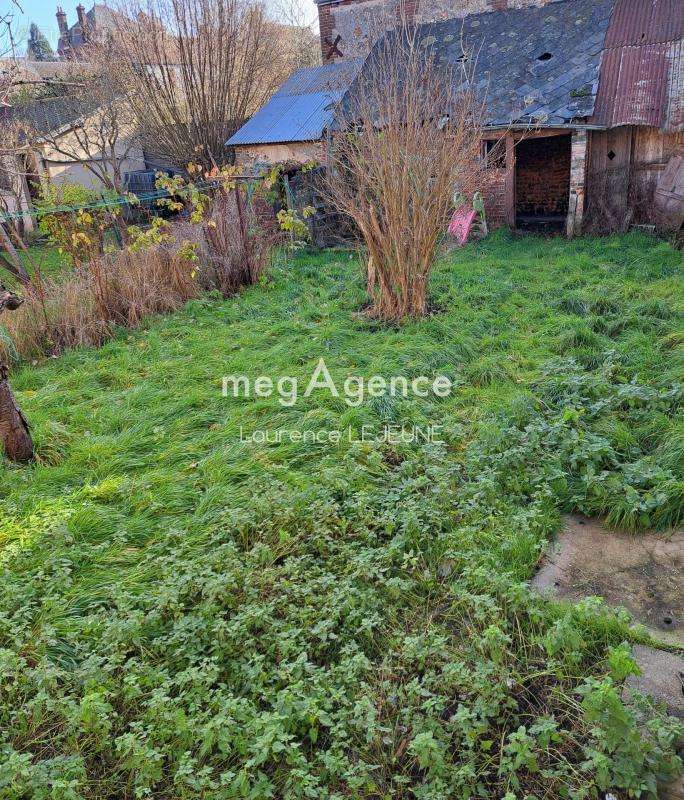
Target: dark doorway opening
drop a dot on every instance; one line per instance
(542, 183)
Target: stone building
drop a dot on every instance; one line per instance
(585, 97)
(73, 39)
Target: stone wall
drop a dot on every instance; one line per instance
(348, 28)
(297, 152)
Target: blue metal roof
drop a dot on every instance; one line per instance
(303, 106)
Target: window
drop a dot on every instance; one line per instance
(494, 153)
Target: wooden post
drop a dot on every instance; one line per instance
(244, 233)
(578, 178)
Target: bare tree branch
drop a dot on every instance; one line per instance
(198, 69)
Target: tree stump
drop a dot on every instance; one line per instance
(14, 429)
(15, 437)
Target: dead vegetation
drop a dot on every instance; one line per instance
(84, 308)
(230, 249)
(210, 65)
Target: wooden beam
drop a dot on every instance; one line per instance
(509, 194)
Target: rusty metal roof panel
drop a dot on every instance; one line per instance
(643, 22)
(641, 66)
(674, 113)
(633, 86)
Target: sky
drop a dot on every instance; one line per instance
(42, 12)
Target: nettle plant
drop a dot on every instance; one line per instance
(366, 635)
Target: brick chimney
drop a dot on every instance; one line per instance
(61, 21)
(82, 21)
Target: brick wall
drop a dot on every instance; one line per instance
(348, 28)
(542, 176)
(495, 198)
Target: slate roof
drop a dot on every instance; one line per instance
(26, 69)
(613, 62)
(51, 114)
(302, 108)
(519, 87)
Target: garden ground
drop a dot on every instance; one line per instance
(185, 614)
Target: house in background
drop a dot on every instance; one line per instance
(73, 39)
(587, 95)
(50, 134)
(59, 126)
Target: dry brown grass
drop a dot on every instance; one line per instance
(84, 308)
(232, 249)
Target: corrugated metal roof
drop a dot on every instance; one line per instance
(674, 114)
(635, 46)
(641, 68)
(302, 108)
(643, 22)
(633, 87)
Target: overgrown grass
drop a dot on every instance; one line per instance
(185, 614)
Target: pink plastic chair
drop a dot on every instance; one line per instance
(461, 223)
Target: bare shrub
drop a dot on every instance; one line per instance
(409, 138)
(234, 241)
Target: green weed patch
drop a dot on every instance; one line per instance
(187, 615)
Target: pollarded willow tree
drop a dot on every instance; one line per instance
(408, 140)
